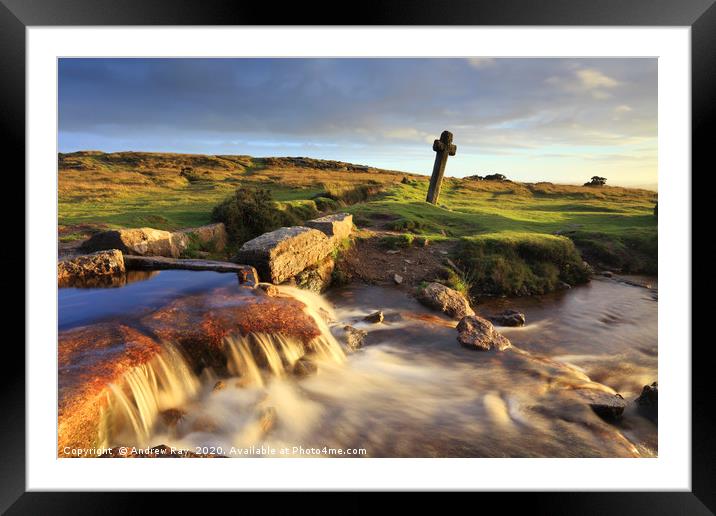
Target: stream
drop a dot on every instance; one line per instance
(410, 391)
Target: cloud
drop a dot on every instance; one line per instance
(366, 110)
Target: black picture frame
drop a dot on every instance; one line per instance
(17, 15)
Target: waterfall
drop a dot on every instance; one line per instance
(167, 382)
(134, 403)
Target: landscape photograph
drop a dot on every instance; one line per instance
(357, 257)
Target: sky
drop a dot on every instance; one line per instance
(537, 119)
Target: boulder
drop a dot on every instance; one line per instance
(509, 318)
(198, 324)
(90, 358)
(648, 401)
(440, 297)
(316, 278)
(211, 237)
(608, 406)
(354, 337)
(140, 241)
(474, 332)
(282, 254)
(375, 317)
(336, 227)
(100, 266)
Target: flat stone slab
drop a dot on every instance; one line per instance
(283, 253)
(246, 272)
(337, 226)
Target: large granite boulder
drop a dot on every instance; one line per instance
(282, 254)
(337, 226)
(211, 237)
(445, 299)
(100, 267)
(140, 241)
(474, 332)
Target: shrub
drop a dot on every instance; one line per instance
(405, 224)
(520, 264)
(596, 181)
(248, 213)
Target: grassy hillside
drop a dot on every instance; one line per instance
(534, 224)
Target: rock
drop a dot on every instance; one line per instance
(398, 279)
(336, 227)
(141, 242)
(509, 318)
(354, 337)
(606, 405)
(474, 332)
(219, 386)
(392, 251)
(90, 359)
(269, 289)
(607, 274)
(247, 274)
(211, 237)
(318, 277)
(171, 417)
(282, 254)
(440, 297)
(199, 323)
(648, 401)
(304, 367)
(563, 285)
(375, 317)
(100, 266)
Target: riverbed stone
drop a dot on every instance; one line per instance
(608, 406)
(139, 241)
(354, 337)
(90, 358)
(509, 318)
(474, 332)
(375, 317)
(200, 323)
(304, 366)
(648, 401)
(336, 226)
(99, 266)
(282, 254)
(439, 297)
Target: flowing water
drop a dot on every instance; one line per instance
(411, 391)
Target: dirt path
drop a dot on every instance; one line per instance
(369, 260)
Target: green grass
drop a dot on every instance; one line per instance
(506, 224)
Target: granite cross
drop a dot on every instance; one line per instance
(444, 148)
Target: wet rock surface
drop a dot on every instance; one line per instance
(304, 366)
(102, 268)
(199, 323)
(608, 406)
(509, 318)
(474, 332)
(316, 278)
(354, 337)
(648, 401)
(90, 358)
(375, 317)
(451, 302)
(282, 254)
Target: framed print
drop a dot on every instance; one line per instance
(414, 249)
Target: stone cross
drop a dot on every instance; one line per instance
(444, 148)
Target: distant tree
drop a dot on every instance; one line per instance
(596, 181)
(495, 177)
(475, 178)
